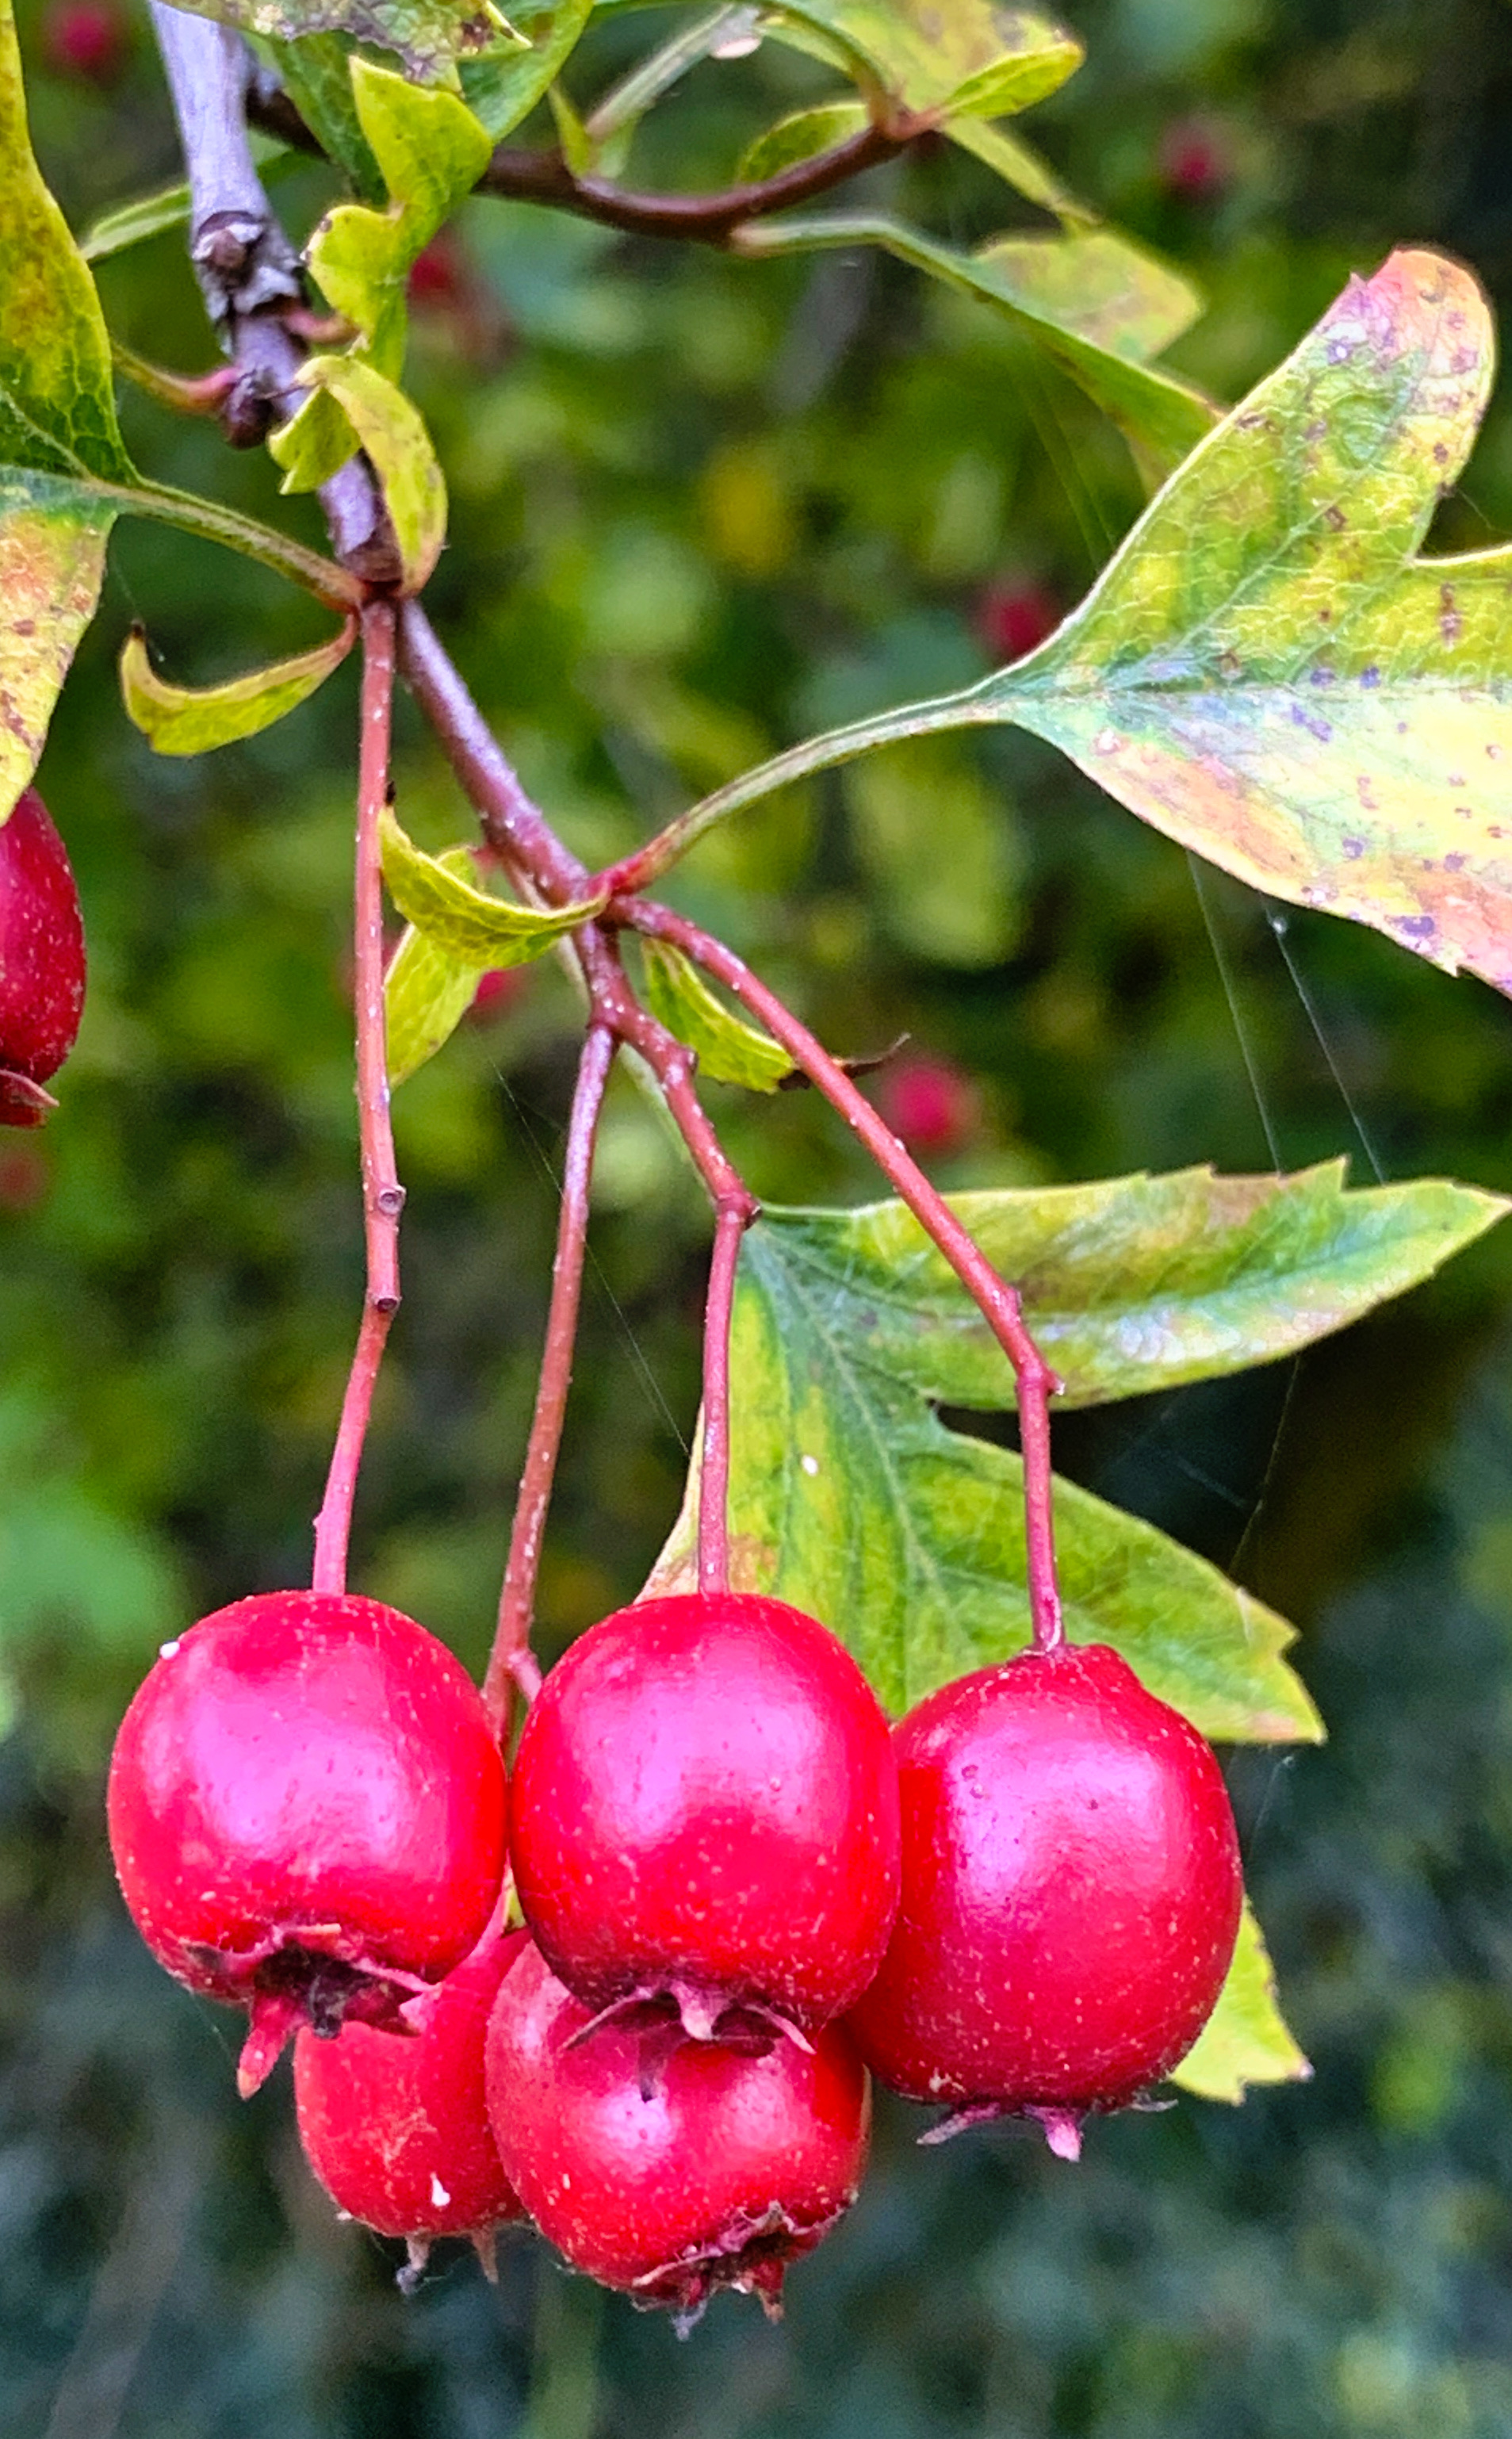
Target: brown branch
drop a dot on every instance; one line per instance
(521, 175)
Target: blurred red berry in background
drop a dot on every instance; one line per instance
(1194, 160)
(497, 991)
(930, 1104)
(85, 38)
(1013, 616)
(25, 1176)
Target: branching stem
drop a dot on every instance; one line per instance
(383, 1195)
(511, 1665)
(998, 1301)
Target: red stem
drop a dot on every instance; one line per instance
(730, 1225)
(998, 1301)
(383, 1195)
(511, 1663)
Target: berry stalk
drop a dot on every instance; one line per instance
(731, 1222)
(383, 1195)
(511, 1663)
(997, 1300)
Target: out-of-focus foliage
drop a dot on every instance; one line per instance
(699, 507)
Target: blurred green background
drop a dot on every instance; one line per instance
(699, 508)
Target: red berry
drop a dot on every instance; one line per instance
(1071, 1893)
(398, 2130)
(41, 961)
(438, 275)
(719, 2172)
(497, 991)
(929, 1104)
(1194, 160)
(85, 38)
(704, 1817)
(1012, 618)
(306, 1813)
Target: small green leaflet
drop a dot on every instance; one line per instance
(427, 988)
(727, 1048)
(1267, 671)
(192, 719)
(850, 1499)
(1131, 1283)
(430, 36)
(432, 152)
(465, 920)
(315, 73)
(915, 59)
(504, 88)
(392, 432)
(799, 137)
(1163, 419)
(1244, 2040)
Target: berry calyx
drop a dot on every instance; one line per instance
(307, 1813)
(1071, 1895)
(397, 2131)
(720, 2174)
(704, 1823)
(41, 961)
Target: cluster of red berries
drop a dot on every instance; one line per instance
(41, 961)
(741, 1892)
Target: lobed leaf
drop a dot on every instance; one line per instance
(1244, 2040)
(428, 988)
(726, 1047)
(849, 1498)
(1133, 1283)
(976, 57)
(468, 921)
(430, 36)
(192, 719)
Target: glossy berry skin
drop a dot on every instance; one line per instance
(718, 2171)
(1071, 1893)
(704, 1810)
(306, 1813)
(41, 961)
(396, 2128)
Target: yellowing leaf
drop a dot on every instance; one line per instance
(192, 719)
(430, 36)
(427, 988)
(728, 1049)
(1098, 284)
(975, 57)
(52, 564)
(506, 87)
(1244, 2040)
(473, 925)
(393, 432)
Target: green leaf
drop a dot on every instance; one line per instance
(430, 36)
(1266, 670)
(1020, 167)
(392, 432)
(1099, 285)
(427, 988)
(1131, 1283)
(941, 849)
(574, 142)
(1244, 2040)
(431, 151)
(315, 73)
(464, 919)
(52, 564)
(801, 136)
(314, 444)
(1163, 419)
(57, 400)
(728, 1049)
(192, 719)
(148, 216)
(504, 89)
(850, 1499)
(915, 59)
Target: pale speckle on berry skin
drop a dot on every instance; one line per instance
(169, 1651)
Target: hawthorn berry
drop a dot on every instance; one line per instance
(930, 1104)
(1071, 1895)
(398, 2130)
(306, 1813)
(1014, 616)
(703, 1822)
(1194, 160)
(41, 961)
(717, 2172)
(86, 39)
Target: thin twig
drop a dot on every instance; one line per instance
(383, 1195)
(521, 175)
(998, 1301)
(511, 1663)
(731, 1222)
